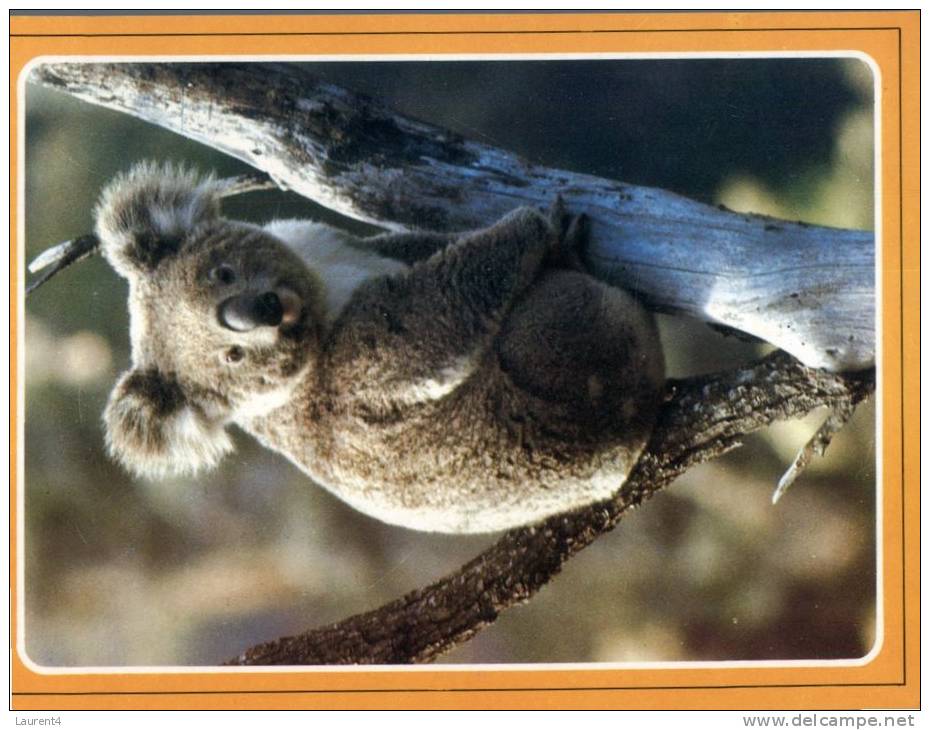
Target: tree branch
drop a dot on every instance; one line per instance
(808, 290)
(703, 418)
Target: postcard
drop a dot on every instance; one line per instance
(443, 360)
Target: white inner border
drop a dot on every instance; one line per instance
(20, 365)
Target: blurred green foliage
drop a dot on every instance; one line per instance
(126, 572)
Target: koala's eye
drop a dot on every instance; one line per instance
(234, 354)
(222, 274)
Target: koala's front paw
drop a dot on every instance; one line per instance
(570, 237)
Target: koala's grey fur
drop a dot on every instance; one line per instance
(480, 389)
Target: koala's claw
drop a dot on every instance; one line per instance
(571, 232)
(576, 237)
(559, 216)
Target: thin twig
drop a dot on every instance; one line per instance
(815, 446)
(56, 259)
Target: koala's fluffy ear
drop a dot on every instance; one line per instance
(154, 431)
(144, 215)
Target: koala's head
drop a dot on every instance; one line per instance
(225, 320)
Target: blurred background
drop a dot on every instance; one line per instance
(127, 572)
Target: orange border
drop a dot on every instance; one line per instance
(890, 38)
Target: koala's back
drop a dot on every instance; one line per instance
(552, 415)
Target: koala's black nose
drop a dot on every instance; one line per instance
(269, 309)
(248, 311)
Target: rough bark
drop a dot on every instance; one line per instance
(808, 290)
(703, 418)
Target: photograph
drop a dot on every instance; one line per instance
(361, 361)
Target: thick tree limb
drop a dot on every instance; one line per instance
(808, 290)
(703, 418)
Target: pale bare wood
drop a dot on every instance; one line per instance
(808, 290)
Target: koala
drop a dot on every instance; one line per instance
(455, 383)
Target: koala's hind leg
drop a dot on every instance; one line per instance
(583, 361)
(425, 331)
